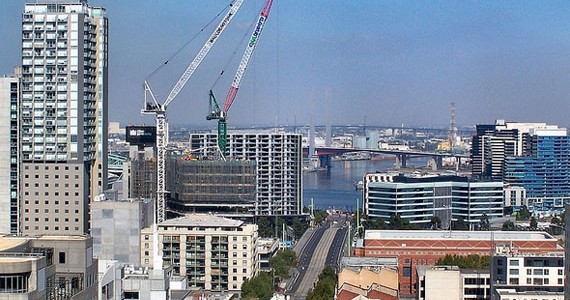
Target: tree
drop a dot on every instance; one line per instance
(484, 223)
(258, 287)
(523, 214)
(299, 227)
(325, 288)
(398, 223)
(282, 262)
(533, 223)
(374, 223)
(556, 221)
(264, 227)
(472, 261)
(459, 224)
(509, 226)
(435, 222)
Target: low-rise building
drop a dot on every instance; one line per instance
(367, 284)
(47, 267)
(213, 253)
(414, 248)
(450, 282)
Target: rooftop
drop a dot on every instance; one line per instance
(7, 242)
(202, 220)
(456, 235)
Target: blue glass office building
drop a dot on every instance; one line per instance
(543, 170)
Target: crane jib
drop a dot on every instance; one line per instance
(221, 27)
(255, 34)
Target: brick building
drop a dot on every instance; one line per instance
(413, 247)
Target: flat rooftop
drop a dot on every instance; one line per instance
(201, 220)
(456, 235)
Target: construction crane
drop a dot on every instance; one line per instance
(153, 107)
(221, 114)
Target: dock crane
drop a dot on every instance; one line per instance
(221, 114)
(153, 107)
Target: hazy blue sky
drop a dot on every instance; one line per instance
(392, 61)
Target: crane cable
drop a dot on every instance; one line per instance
(187, 43)
(243, 39)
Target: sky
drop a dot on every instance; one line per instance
(377, 62)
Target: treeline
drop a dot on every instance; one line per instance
(472, 261)
(325, 288)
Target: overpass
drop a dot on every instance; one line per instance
(326, 153)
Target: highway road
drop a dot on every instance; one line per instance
(323, 248)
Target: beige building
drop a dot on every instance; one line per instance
(63, 114)
(214, 253)
(367, 284)
(47, 267)
(450, 282)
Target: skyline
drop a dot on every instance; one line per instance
(407, 61)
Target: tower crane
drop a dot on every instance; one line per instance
(221, 114)
(153, 107)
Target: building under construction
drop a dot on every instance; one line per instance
(277, 162)
(223, 187)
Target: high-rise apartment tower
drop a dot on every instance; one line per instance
(63, 114)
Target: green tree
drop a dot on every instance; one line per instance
(325, 288)
(533, 223)
(282, 262)
(484, 223)
(523, 214)
(258, 287)
(320, 215)
(264, 227)
(472, 261)
(460, 224)
(374, 223)
(399, 223)
(509, 226)
(556, 221)
(435, 222)
(299, 227)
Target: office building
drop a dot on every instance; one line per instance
(63, 114)
(426, 247)
(567, 252)
(543, 170)
(530, 155)
(278, 157)
(420, 198)
(9, 153)
(116, 228)
(213, 253)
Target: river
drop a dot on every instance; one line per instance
(335, 187)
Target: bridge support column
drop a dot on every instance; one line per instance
(325, 161)
(439, 161)
(405, 160)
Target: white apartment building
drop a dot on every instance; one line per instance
(213, 253)
(279, 158)
(9, 149)
(63, 114)
(527, 273)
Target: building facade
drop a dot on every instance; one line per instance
(116, 228)
(528, 272)
(213, 253)
(63, 114)
(451, 282)
(47, 267)
(415, 248)
(9, 154)
(201, 186)
(419, 199)
(543, 170)
(534, 156)
(278, 157)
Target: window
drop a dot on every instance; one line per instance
(529, 281)
(560, 272)
(61, 257)
(528, 271)
(514, 271)
(514, 262)
(514, 281)
(546, 272)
